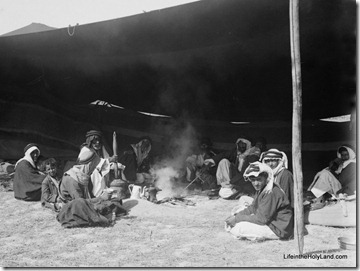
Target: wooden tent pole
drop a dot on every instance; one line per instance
(115, 153)
(296, 125)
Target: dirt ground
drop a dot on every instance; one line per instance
(155, 235)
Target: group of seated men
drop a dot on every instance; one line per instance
(262, 181)
(85, 185)
(227, 168)
(88, 177)
(249, 170)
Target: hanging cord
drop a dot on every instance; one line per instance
(73, 32)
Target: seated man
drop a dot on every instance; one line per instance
(230, 167)
(27, 178)
(340, 210)
(81, 208)
(100, 178)
(347, 176)
(326, 182)
(75, 181)
(269, 216)
(136, 162)
(278, 162)
(196, 168)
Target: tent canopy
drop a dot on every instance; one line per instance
(220, 60)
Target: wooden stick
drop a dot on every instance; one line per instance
(115, 153)
(296, 126)
(198, 177)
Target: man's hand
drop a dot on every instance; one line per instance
(114, 158)
(105, 195)
(231, 221)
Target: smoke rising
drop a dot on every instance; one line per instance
(170, 169)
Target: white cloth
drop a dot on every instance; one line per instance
(252, 231)
(223, 173)
(323, 182)
(333, 215)
(225, 192)
(100, 176)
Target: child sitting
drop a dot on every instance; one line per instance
(50, 197)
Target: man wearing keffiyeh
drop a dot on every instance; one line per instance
(269, 216)
(230, 168)
(100, 178)
(278, 162)
(75, 182)
(347, 176)
(27, 178)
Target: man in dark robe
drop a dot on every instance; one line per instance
(231, 166)
(347, 177)
(27, 178)
(137, 163)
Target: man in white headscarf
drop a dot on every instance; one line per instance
(269, 216)
(278, 162)
(347, 176)
(230, 168)
(27, 178)
(342, 212)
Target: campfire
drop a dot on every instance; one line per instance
(176, 201)
(167, 179)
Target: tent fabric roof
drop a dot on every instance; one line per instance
(220, 60)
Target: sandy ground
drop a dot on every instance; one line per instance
(154, 235)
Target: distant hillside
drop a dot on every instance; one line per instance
(31, 28)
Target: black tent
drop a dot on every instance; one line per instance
(208, 63)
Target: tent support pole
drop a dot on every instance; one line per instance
(296, 124)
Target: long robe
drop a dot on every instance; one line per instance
(27, 182)
(129, 160)
(347, 178)
(286, 181)
(272, 209)
(324, 182)
(81, 213)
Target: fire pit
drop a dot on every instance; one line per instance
(177, 201)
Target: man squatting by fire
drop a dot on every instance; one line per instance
(137, 162)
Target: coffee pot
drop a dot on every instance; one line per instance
(136, 191)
